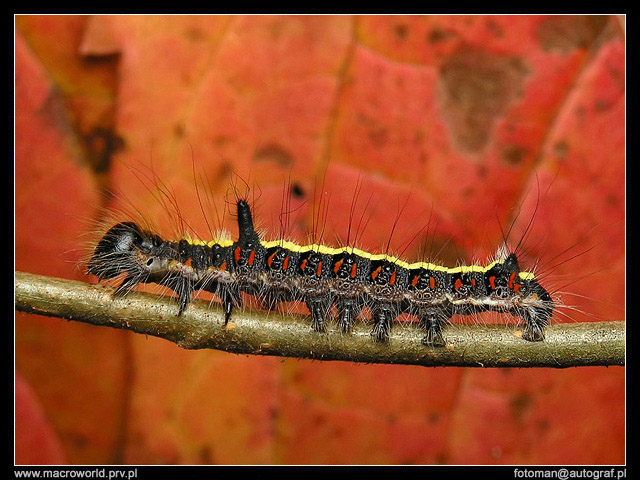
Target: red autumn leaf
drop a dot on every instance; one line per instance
(76, 371)
(36, 440)
(466, 125)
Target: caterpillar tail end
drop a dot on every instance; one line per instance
(537, 317)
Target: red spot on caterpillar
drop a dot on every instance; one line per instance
(492, 282)
(188, 262)
(270, 259)
(414, 282)
(376, 272)
(252, 257)
(458, 284)
(319, 269)
(516, 287)
(432, 283)
(236, 254)
(473, 283)
(303, 265)
(285, 264)
(354, 269)
(392, 280)
(224, 265)
(512, 279)
(337, 266)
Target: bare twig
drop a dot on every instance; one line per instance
(267, 333)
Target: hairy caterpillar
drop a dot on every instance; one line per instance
(346, 279)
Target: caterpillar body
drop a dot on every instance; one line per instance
(345, 279)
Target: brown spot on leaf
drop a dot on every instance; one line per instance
(438, 35)
(194, 34)
(273, 153)
(519, 405)
(179, 130)
(617, 76)
(475, 88)
(110, 59)
(378, 135)
(513, 154)
(100, 144)
(221, 140)
(206, 457)
(78, 439)
(494, 27)
(297, 191)
(401, 31)
(564, 33)
(602, 105)
(560, 149)
(611, 200)
(223, 171)
(54, 112)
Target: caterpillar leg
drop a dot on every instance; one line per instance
(432, 322)
(534, 325)
(182, 287)
(230, 297)
(382, 317)
(184, 295)
(347, 312)
(318, 309)
(130, 281)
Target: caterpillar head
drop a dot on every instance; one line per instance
(119, 250)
